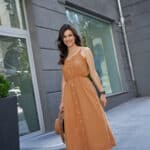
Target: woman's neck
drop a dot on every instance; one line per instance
(72, 49)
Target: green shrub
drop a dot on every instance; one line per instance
(4, 86)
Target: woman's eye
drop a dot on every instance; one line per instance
(70, 35)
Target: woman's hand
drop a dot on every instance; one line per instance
(103, 100)
(61, 107)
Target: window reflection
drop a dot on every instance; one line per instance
(97, 35)
(11, 14)
(14, 64)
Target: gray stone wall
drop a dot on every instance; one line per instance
(137, 14)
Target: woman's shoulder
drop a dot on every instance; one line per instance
(84, 48)
(84, 51)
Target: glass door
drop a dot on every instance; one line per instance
(17, 64)
(14, 64)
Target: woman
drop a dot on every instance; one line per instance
(86, 125)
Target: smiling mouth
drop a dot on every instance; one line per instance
(68, 42)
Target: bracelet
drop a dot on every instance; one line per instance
(102, 92)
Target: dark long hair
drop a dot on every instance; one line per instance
(61, 46)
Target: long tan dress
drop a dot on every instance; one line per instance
(86, 125)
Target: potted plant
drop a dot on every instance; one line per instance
(4, 87)
(9, 136)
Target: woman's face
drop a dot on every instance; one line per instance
(68, 38)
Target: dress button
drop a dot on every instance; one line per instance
(78, 112)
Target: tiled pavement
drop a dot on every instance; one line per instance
(129, 121)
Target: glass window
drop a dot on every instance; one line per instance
(14, 64)
(11, 14)
(97, 35)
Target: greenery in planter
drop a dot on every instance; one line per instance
(4, 86)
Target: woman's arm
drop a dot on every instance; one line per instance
(62, 87)
(93, 73)
(61, 106)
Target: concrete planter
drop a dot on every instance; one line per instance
(9, 134)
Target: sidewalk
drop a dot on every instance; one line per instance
(130, 123)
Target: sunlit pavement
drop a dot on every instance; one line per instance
(130, 123)
(49, 141)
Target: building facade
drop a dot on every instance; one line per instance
(29, 54)
(136, 14)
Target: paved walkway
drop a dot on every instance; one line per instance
(130, 123)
